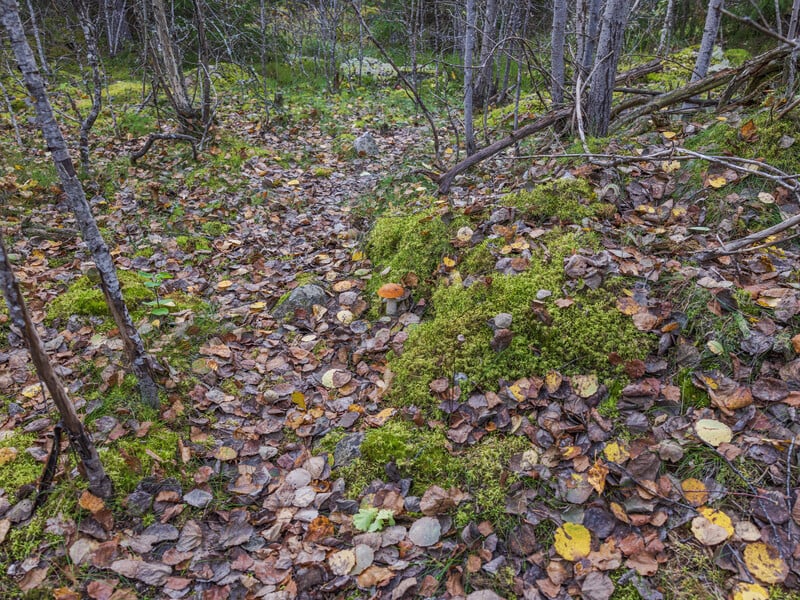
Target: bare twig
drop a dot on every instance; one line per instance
(761, 28)
(164, 136)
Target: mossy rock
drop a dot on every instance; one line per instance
(567, 199)
(84, 297)
(579, 340)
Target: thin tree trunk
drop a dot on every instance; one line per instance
(167, 64)
(609, 47)
(469, 90)
(592, 33)
(38, 39)
(141, 364)
(713, 18)
(11, 116)
(116, 25)
(791, 67)
(203, 55)
(485, 83)
(99, 483)
(666, 30)
(557, 42)
(93, 58)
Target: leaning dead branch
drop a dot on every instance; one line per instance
(164, 136)
(758, 67)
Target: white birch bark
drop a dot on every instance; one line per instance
(713, 18)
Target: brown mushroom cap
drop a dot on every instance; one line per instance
(391, 290)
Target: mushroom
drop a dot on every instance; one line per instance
(391, 292)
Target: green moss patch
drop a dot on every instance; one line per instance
(568, 200)
(578, 340)
(23, 468)
(83, 297)
(409, 244)
(424, 455)
(762, 143)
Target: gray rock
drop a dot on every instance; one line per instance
(347, 449)
(21, 511)
(503, 320)
(500, 215)
(305, 297)
(198, 498)
(365, 145)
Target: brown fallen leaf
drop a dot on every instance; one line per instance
(374, 576)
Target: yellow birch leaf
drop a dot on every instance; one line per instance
(597, 476)
(712, 527)
(765, 563)
(749, 591)
(694, 491)
(572, 541)
(299, 399)
(616, 452)
(717, 182)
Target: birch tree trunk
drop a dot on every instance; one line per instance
(592, 33)
(117, 30)
(99, 483)
(141, 364)
(93, 58)
(167, 62)
(713, 18)
(792, 34)
(38, 38)
(469, 50)
(485, 83)
(557, 42)
(666, 30)
(609, 46)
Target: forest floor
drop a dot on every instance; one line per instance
(567, 404)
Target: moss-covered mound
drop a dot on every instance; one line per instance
(457, 339)
(568, 200)
(423, 455)
(83, 297)
(416, 243)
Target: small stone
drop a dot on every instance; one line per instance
(347, 449)
(542, 294)
(425, 531)
(198, 498)
(503, 321)
(303, 297)
(365, 145)
(20, 511)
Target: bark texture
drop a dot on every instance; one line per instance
(140, 363)
(557, 42)
(713, 18)
(609, 46)
(99, 483)
(93, 58)
(469, 89)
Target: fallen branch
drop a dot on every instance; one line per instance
(713, 81)
(164, 136)
(550, 119)
(545, 121)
